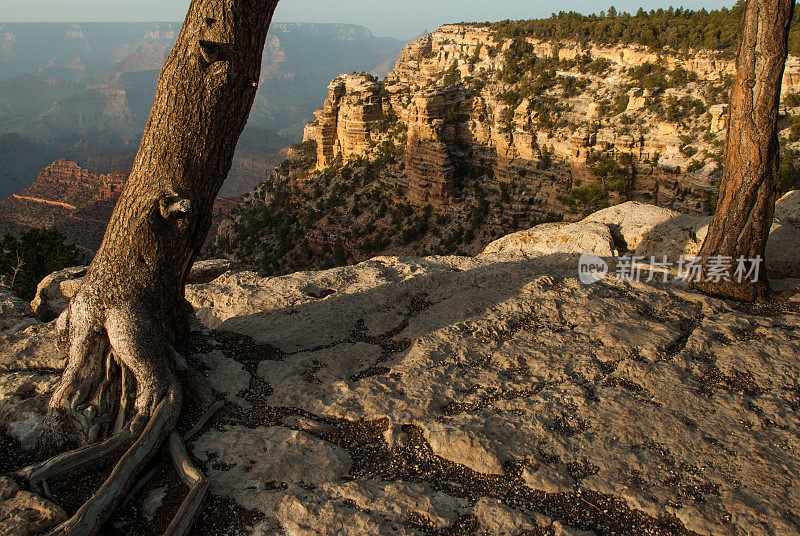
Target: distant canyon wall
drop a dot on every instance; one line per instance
(449, 125)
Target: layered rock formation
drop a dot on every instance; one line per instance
(651, 233)
(448, 92)
(68, 197)
(78, 203)
(429, 166)
(343, 126)
(61, 190)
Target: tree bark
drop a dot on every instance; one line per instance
(122, 330)
(740, 228)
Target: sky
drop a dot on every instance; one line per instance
(403, 19)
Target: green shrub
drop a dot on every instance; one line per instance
(792, 100)
(794, 129)
(26, 260)
(694, 166)
(688, 151)
(586, 199)
(679, 29)
(608, 167)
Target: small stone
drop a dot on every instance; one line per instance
(26, 514)
(208, 270)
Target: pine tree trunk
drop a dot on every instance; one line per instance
(741, 225)
(200, 109)
(122, 330)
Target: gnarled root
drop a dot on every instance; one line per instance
(198, 488)
(114, 358)
(89, 518)
(39, 474)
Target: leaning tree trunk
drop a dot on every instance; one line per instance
(740, 228)
(123, 386)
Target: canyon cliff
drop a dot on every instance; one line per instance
(77, 202)
(452, 94)
(76, 91)
(66, 196)
(474, 134)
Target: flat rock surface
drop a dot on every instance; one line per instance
(787, 209)
(428, 394)
(632, 221)
(454, 395)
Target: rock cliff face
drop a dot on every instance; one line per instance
(80, 90)
(463, 116)
(429, 168)
(60, 189)
(77, 202)
(64, 195)
(343, 125)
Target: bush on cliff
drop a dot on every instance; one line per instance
(26, 260)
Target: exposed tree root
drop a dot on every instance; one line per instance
(120, 390)
(75, 459)
(94, 512)
(203, 420)
(198, 488)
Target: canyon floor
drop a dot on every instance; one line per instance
(458, 395)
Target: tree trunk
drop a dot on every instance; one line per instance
(742, 223)
(122, 328)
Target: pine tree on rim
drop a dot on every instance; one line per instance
(740, 228)
(125, 380)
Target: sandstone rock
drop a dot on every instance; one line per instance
(28, 361)
(791, 76)
(13, 311)
(25, 514)
(719, 113)
(429, 169)
(54, 292)
(248, 464)
(549, 478)
(29, 346)
(28, 357)
(650, 232)
(343, 127)
(482, 133)
(632, 222)
(477, 364)
(787, 209)
(387, 397)
(636, 99)
(225, 375)
(454, 445)
(208, 270)
(782, 252)
(372, 508)
(496, 518)
(584, 237)
(66, 196)
(23, 404)
(679, 236)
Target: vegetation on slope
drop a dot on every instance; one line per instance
(677, 29)
(27, 259)
(303, 219)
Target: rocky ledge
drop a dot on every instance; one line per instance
(458, 395)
